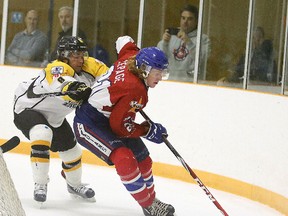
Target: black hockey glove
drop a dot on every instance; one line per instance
(77, 91)
(155, 133)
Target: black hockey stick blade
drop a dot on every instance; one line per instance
(32, 94)
(10, 144)
(187, 167)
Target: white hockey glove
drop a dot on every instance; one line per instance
(122, 41)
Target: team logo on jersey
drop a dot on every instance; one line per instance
(128, 124)
(57, 70)
(71, 104)
(181, 52)
(136, 105)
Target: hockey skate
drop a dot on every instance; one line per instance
(40, 192)
(82, 192)
(154, 211)
(161, 205)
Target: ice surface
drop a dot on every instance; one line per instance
(113, 200)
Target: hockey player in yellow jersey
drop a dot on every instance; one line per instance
(40, 113)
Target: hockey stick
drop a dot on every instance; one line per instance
(31, 94)
(10, 144)
(191, 172)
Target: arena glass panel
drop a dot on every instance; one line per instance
(1, 19)
(267, 45)
(283, 70)
(217, 61)
(47, 22)
(159, 16)
(285, 58)
(104, 21)
(225, 24)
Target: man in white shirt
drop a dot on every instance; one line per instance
(179, 44)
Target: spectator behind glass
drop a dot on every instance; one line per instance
(65, 16)
(100, 53)
(28, 47)
(262, 66)
(180, 46)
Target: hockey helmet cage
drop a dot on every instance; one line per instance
(152, 57)
(68, 44)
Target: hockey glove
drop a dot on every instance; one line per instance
(77, 91)
(155, 133)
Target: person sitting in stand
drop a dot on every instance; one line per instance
(29, 46)
(262, 64)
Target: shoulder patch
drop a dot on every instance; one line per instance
(57, 70)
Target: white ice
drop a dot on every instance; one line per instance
(112, 199)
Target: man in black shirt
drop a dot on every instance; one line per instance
(65, 16)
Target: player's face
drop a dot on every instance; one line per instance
(154, 77)
(76, 60)
(66, 19)
(188, 22)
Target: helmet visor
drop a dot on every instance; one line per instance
(75, 54)
(164, 72)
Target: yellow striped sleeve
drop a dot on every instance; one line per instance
(94, 67)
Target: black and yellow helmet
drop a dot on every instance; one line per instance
(70, 44)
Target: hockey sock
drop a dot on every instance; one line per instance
(145, 167)
(40, 158)
(72, 166)
(40, 136)
(127, 168)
